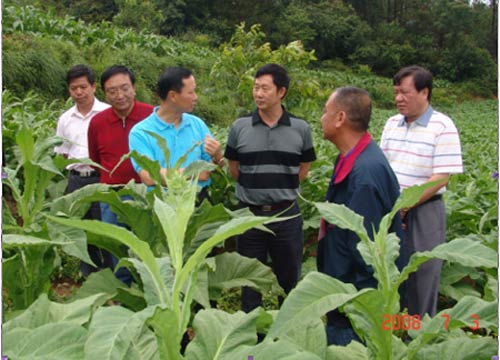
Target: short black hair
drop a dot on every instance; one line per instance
(172, 79)
(79, 70)
(357, 105)
(116, 69)
(422, 78)
(279, 74)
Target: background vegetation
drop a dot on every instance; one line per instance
(323, 44)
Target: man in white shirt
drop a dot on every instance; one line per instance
(72, 126)
(422, 146)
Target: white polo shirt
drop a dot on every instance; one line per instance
(73, 126)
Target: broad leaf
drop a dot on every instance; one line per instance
(166, 327)
(75, 241)
(457, 317)
(43, 312)
(167, 276)
(313, 297)
(462, 250)
(118, 333)
(139, 247)
(462, 348)
(366, 313)
(309, 337)
(27, 273)
(219, 333)
(56, 341)
(234, 270)
(272, 350)
(105, 281)
(353, 351)
(343, 217)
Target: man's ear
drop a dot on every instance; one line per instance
(342, 118)
(425, 92)
(282, 92)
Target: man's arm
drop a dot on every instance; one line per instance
(430, 192)
(92, 143)
(234, 169)
(304, 170)
(443, 181)
(146, 178)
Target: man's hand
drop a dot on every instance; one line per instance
(212, 147)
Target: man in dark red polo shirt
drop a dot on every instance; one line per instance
(108, 136)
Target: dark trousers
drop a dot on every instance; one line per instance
(284, 247)
(100, 257)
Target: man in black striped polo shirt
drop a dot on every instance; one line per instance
(269, 152)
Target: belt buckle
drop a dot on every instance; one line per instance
(266, 207)
(85, 173)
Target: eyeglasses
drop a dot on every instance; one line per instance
(113, 91)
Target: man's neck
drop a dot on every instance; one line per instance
(169, 116)
(85, 109)
(350, 141)
(271, 116)
(410, 119)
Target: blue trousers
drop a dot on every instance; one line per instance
(284, 247)
(109, 217)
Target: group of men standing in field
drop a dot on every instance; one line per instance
(269, 152)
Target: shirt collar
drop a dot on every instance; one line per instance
(97, 106)
(162, 125)
(284, 119)
(423, 120)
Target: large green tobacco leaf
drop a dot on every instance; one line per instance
(56, 341)
(118, 333)
(105, 282)
(462, 250)
(313, 297)
(463, 348)
(135, 213)
(491, 288)
(75, 204)
(167, 276)
(309, 337)
(463, 314)
(174, 219)
(204, 222)
(353, 351)
(26, 273)
(139, 247)
(166, 327)
(219, 333)
(74, 240)
(459, 316)
(43, 311)
(272, 350)
(232, 270)
(366, 313)
(223, 336)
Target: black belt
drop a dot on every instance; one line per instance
(84, 174)
(270, 207)
(435, 197)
